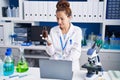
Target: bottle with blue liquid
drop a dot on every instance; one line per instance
(1, 67)
(8, 66)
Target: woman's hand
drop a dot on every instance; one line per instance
(44, 33)
(45, 36)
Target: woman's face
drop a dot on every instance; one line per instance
(62, 19)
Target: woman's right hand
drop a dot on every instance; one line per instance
(45, 36)
(44, 33)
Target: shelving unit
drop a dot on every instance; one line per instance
(89, 11)
(111, 9)
(6, 29)
(11, 12)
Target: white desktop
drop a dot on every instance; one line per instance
(34, 74)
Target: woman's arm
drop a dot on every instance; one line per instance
(49, 46)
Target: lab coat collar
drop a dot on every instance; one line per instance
(68, 35)
(71, 30)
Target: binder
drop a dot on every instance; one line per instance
(74, 8)
(26, 10)
(40, 10)
(33, 10)
(1, 35)
(52, 11)
(80, 11)
(45, 15)
(90, 10)
(85, 11)
(95, 10)
(101, 11)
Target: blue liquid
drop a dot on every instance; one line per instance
(8, 69)
(1, 68)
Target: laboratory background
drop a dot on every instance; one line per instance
(22, 22)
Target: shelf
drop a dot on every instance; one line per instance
(82, 15)
(112, 22)
(35, 57)
(103, 50)
(33, 47)
(11, 18)
(11, 10)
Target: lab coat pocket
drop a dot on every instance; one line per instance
(69, 46)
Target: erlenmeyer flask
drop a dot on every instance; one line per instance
(22, 65)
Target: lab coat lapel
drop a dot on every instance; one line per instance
(59, 33)
(68, 35)
(70, 32)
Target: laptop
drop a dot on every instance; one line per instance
(55, 69)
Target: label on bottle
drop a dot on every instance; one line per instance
(8, 68)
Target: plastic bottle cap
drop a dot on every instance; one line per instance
(9, 49)
(8, 53)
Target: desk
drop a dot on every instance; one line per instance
(34, 74)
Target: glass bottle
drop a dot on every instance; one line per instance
(1, 67)
(8, 66)
(112, 41)
(99, 41)
(44, 32)
(106, 43)
(22, 65)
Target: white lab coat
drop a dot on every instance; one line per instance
(72, 49)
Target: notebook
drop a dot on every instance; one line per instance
(55, 69)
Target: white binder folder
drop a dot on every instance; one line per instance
(52, 10)
(74, 8)
(85, 11)
(90, 10)
(101, 11)
(40, 10)
(80, 11)
(95, 10)
(33, 10)
(45, 15)
(26, 10)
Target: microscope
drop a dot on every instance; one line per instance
(94, 65)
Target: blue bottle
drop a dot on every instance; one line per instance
(8, 66)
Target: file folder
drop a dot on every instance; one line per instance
(52, 11)
(26, 10)
(101, 11)
(33, 10)
(95, 10)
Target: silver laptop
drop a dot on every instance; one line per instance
(55, 69)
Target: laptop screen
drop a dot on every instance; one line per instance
(55, 69)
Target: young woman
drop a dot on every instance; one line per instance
(64, 41)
